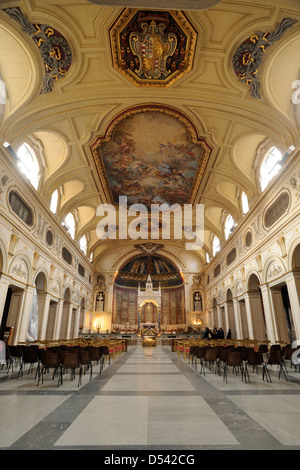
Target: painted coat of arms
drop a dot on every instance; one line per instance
(152, 48)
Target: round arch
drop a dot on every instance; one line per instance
(20, 267)
(41, 280)
(229, 295)
(273, 267)
(253, 280)
(179, 265)
(296, 257)
(292, 256)
(137, 269)
(67, 294)
(3, 257)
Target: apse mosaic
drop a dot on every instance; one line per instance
(152, 156)
(152, 48)
(137, 271)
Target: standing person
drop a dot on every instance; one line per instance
(221, 333)
(206, 333)
(228, 334)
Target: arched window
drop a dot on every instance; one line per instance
(54, 201)
(216, 245)
(245, 203)
(28, 164)
(3, 92)
(69, 224)
(270, 166)
(229, 226)
(207, 258)
(83, 244)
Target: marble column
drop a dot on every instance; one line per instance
(24, 315)
(237, 317)
(269, 316)
(219, 313)
(59, 311)
(69, 321)
(226, 326)
(44, 302)
(293, 284)
(249, 316)
(77, 321)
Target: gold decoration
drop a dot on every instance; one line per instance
(152, 48)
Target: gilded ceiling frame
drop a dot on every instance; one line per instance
(96, 145)
(120, 23)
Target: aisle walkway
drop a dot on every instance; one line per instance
(149, 399)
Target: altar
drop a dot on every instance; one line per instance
(149, 326)
(146, 298)
(149, 332)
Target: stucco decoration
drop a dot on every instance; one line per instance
(54, 48)
(152, 48)
(249, 55)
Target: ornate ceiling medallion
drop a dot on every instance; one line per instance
(152, 154)
(249, 55)
(54, 48)
(152, 48)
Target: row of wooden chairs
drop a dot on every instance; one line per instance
(62, 357)
(241, 359)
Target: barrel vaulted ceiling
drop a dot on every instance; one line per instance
(99, 110)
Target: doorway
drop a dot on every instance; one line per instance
(282, 313)
(12, 310)
(5, 313)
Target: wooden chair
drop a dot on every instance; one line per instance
(30, 357)
(50, 360)
(85, 362)
(234, 360)
(275, 358)
(70, 360)
(209, 359)
(255, 360)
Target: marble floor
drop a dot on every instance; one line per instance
(147, 399)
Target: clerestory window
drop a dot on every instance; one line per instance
(28, 164)
(270, 167)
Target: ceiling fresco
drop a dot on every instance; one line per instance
(152, 157)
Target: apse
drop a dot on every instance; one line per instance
(161, 270)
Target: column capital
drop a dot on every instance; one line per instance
(263, 287)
